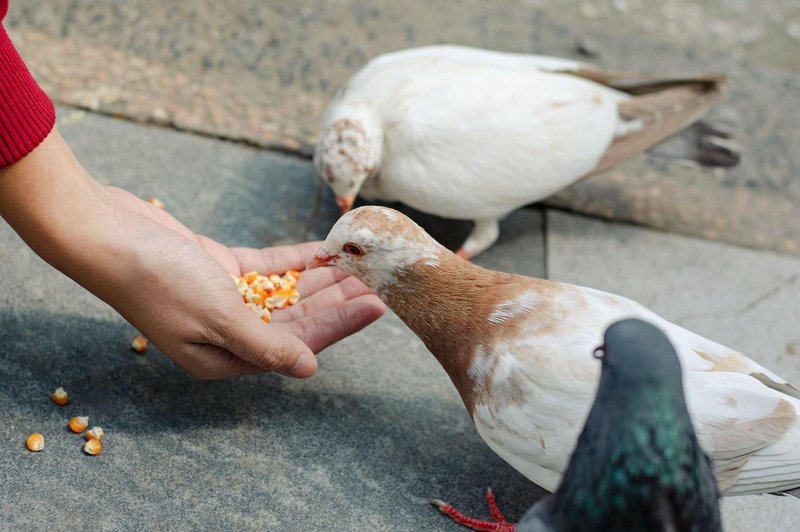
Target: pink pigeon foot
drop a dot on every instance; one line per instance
(463, 254)
(498, 525)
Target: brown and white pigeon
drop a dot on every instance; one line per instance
(473, 134)
(516, 348)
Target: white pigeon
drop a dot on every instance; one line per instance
(518, 349)
(472, 134)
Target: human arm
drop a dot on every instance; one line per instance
(170, 283)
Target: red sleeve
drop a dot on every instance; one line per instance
(26, 113)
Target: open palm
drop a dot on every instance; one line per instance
(189, 307)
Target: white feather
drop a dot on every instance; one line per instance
(481, 366)
(733, 411)
(534, 379)
(470, 133)
(518, 306)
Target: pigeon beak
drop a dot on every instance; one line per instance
(345, 203)
(321, 259)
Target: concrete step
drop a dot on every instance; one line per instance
(262, 73)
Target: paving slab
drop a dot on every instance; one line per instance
(363, 445)
(262, 72)
(747, 300)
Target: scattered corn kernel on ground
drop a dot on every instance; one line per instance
(78, 424)
(265, 293)
(93, 447)
(95, 433)
(139, 344)
(35, 442)
(60, 396)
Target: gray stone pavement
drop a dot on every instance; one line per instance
(361, 446)
(378, 431)
(264, 71)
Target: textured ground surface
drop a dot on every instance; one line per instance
(263, 72)
(380, 430)
(362, 446)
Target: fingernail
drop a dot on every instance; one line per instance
(305, 366)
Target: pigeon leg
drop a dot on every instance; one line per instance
(483, 235)
(498, 525)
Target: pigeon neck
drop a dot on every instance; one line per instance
(644, 400)
(635, 434)
(354, 138)
(448, 306)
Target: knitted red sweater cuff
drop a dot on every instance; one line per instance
(26, 113)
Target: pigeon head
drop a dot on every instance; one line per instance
(638, 354)
(376, 244)
(348, 152)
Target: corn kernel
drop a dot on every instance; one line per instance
(278, 301)
(78, 424)
(92, 447)
(263, 293)
(59, 396)
(95, 433)
(256, 298)
(139, 344)
(156, 202)
(35, 442)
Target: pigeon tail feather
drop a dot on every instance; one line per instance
(659, 109)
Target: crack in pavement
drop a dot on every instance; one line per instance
(765, 296)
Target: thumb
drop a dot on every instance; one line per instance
(268, 347)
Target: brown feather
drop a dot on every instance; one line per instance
(448, 307)
(757, 434)
(664, 106)
(736, 362)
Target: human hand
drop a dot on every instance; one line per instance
(175, 286)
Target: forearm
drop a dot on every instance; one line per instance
(56, 207)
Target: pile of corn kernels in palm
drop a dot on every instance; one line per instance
(261, 294)
(264, 293)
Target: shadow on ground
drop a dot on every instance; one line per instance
(265, 451)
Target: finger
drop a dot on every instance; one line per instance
(265, 346)
(276, 259)
(313, 281)
(321, 329)
(331, 296)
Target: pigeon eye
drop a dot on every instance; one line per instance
(353, 249)
(599, 352)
